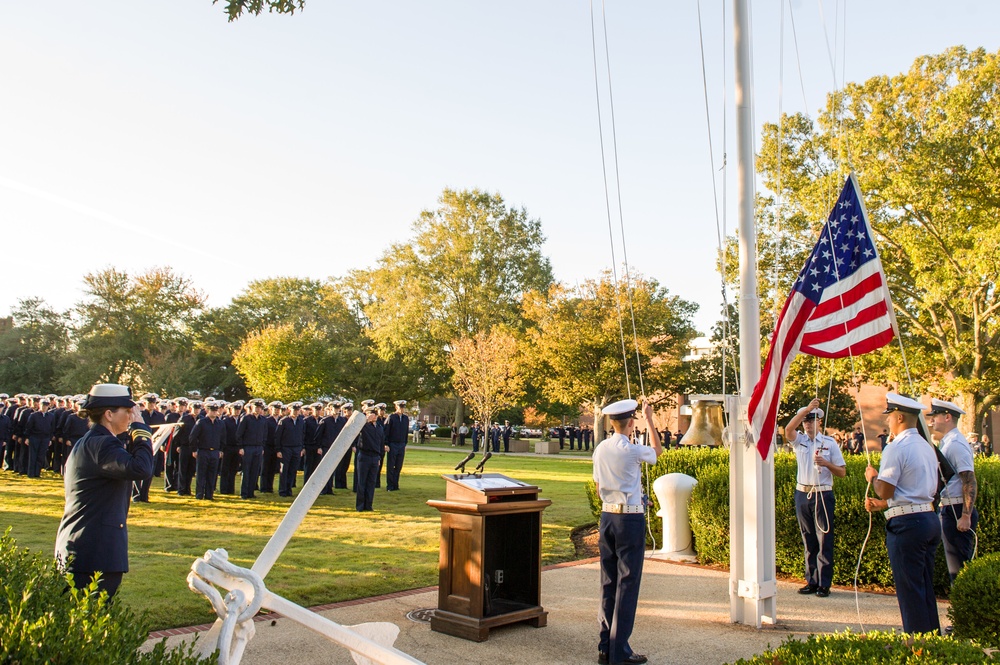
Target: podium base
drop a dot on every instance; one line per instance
(478, 630)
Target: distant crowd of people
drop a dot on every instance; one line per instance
(211, 441)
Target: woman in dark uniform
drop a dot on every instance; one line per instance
(92, 535)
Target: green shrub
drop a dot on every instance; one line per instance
(875, 648)
(975, 601)
(45, 620)
(709, 515)
(443, 432)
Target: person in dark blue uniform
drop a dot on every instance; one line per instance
(288, 441)
(170, 452)
(370, 448)
(310, 424)
(182, 439)
(477, 436)
(906, 483)
(270, 464)
(74, 427)
(232, 461)
(151, 417)
(207, 440)
(505, 433)
(380, 421)
(251, 432)
(366, 406)
(5, 429)
(329, 428)
(561, 433)
(92, 536)
(397, 430)
(22, 451)
(617, 474)
(38, 431)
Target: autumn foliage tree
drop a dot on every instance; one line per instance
(487, 372)
(925, 146)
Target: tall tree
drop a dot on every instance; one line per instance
(464, 271)
(575, 342)
(487, 372)
(123, 318)
(34, 342)
(926, 148)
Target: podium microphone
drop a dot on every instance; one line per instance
(461, 465)
(483, 461)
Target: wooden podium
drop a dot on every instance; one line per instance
(491, 555)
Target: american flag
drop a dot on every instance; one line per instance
(838, 307)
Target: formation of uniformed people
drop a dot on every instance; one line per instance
(211, 441)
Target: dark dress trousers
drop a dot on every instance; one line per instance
(288, 441)
(369, 451)
(38, 430)
(100, 471)
(251, 432)
(327, 432)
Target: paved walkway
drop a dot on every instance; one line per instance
(683, 619)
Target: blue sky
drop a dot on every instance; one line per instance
(155, 133)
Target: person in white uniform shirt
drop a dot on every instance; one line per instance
(906, 483)
(959, 517)
(819, 460)
(618, 475)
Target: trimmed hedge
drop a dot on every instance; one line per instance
(975, 600)
(709, 514)
(45, 620)
(875, 648)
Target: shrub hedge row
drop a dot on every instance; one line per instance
(44, 620)
(875, 648)
(709, 514)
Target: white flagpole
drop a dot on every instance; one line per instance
(751, 480)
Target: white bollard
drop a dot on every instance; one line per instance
(673, 491)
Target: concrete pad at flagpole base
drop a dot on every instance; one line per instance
(682, 618)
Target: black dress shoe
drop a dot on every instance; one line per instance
(634, 659)
(602, 658)
(823, 592)
(809, 588)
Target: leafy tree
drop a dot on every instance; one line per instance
(34, 342)
(285, 362)
(123, 318)
(575, 345)
(487, 373)
(926, 150)
(465, 271)
(236, 8)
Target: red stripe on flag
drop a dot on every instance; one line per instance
(868, 314)
(849, 297)
(768, 388)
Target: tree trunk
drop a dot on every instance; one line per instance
(459, 411)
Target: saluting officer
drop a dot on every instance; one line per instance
(819, 459)
(959, 517)
(618, 474)
(92, 536)
(906, 483)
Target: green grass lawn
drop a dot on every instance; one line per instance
(337, 554)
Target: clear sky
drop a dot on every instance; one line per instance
(138, 134)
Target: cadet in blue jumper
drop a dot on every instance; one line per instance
(906, 483)
(617, 473)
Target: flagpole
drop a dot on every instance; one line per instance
(751, 495)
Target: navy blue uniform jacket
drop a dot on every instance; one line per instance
(99, 475)
(397, 428)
